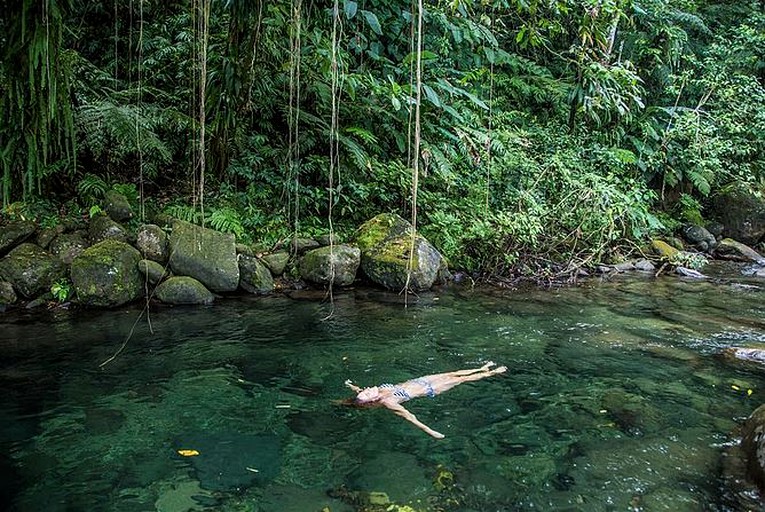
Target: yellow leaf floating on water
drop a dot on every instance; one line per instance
(735, 387)
(188, 453)
(749, 392)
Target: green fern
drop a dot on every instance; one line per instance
(183, 212)
(226, 220)
(91, 188)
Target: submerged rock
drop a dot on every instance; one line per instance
(30, 269)
(183, 290)
(106, 274)
(254, 277)
(207, 255)
(337, 265)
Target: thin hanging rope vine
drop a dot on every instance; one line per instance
(416, 149)
(204, 29)
(293, 120)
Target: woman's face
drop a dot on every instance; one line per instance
(368, 394)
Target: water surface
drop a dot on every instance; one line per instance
(616, 399)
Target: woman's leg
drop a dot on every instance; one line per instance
(446, 381)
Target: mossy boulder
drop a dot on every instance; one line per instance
(380, 228)
(663, 249)
(14, 233)
(337, 264)
(66, 247)
(387, 263)
(254, 276)
(207, 255)
(699, 237)
(302, 245)
(7, 295)
(742, 213)
(153, 271)
(753, 446)
(30, 269)
(183, 290)
(106, 274)
(152, 241)
(276, 262)
(731, 249)
(117, 206)
(102, 228)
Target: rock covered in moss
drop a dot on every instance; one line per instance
(117, 206)
(14, 233)
(303, 245)
(207, 255)
(152, 241)
(254, 276)
(731, 249)
(102, 227)
(7, 295)
(153, 271)
(380, 228)
(663, 249)
(276, 262)
(336, 264)
(183, 290)
(700, 238)
(30, 269)
(387, 245)
(66, 247)
(107, 275)
(46, 235)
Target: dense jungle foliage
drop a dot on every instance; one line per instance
(554, 133)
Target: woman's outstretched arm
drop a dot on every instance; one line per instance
(355, 388)
(399, 410)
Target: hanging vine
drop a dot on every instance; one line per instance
(293, 120)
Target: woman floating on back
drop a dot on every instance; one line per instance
(393, 395)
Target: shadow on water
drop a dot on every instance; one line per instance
(615, 400)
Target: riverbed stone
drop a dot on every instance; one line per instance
(153, 271)
(731, 249)
(117, 206)
(102, 227)
(276, 262)
(13, 233)
(663, 249)
(152, 241)
(67, 246)
(106, 274)
(7, 295)
(303, 245)
(207, 255)
(46, 235)
(30, 269)
(254, 276)
(183, 290)
(331, 265)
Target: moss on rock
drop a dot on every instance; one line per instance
(107, 275)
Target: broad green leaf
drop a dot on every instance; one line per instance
(431, 95)
(350, 9)
(373, 22)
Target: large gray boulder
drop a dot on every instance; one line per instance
(336, 265)
(699, 237)
(254, 276)
(206, 255)
(152, 241)
(276, 262)
(107, 275)
(153, 271)
(753, 446)
(30, 269)
(117, 206)
(183, 290)
(14, 233)
(386, 245)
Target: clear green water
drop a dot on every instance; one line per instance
(616, 399)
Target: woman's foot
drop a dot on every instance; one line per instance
(485, 368)
(499, 369)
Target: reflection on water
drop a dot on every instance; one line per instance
(615, 400)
